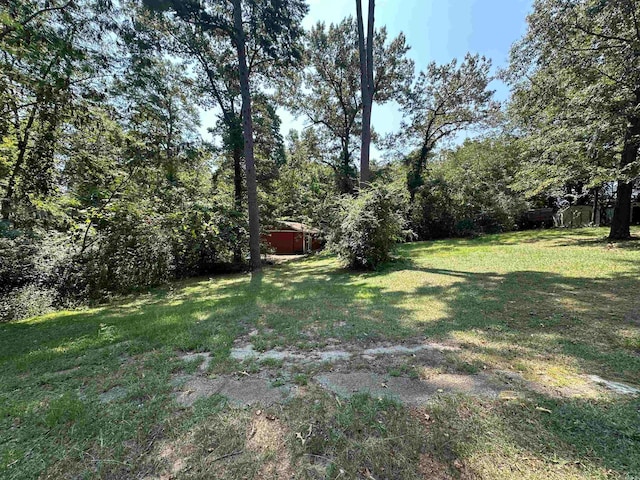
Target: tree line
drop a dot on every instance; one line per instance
(107, 184)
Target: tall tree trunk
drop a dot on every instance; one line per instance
(366, 87)
(247, 130)
(622, 212)
(237, 193)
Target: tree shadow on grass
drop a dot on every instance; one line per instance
(631, 244)
(565, 237)
(515, 317)
(562, 325)
(541, 315)
(288, 301)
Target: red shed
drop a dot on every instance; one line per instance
(292, 237)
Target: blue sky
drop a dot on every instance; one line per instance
(436, 30)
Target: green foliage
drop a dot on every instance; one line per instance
(28, 301)
(47, 73)
(133, 246)
(576, 101)
(575, 89)
(328, 92)
(444, 100)
(469, 191)
(202, 238)
(432, 214)
(367, 227)
(134, 252)
(143, 249)
(17, 255)
(31, 282)
(304, 183)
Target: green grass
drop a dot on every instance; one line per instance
(550, 304)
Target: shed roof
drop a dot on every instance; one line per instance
(293, 227)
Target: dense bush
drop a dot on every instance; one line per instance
(468, 192)
(130, 253)
(366, 228)
(127, 251)
(30, 272)
(203, 238)
(17, 256)
(27, 301)
(432, 214)
(441, 210)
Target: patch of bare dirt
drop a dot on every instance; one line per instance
(173, 457)
(585, 386)
(66, 372)
(266, 437)
(203, 357)
(280, 259)
(336, 352)
(409, 391)
(411, 373)
(432, 469)
(239, 391)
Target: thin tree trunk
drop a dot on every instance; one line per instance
(594, 216)
(247, 130)
(366, 86)
(620, 224)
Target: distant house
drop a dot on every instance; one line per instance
(292, 237)
(582, 216)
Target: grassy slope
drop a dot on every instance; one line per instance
(551, 304)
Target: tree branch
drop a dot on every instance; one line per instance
(10, 28)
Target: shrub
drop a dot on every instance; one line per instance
(203, 238)
(440, 210)
(129, 250)
(17, 262)
(132, 252)
(128, 247)
(367, 227)
(432, 213)
(29, 273)
(27, 301)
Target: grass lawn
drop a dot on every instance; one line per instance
(90, 393)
